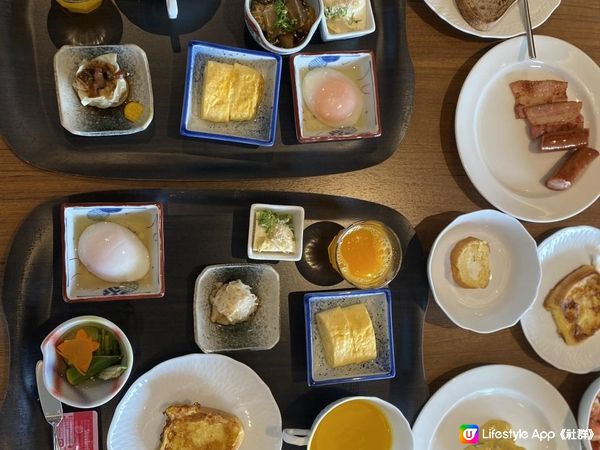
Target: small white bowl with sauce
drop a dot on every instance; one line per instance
(363, 29)
(261, 39)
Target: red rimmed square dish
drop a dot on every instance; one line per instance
(112, 251)
(335, 96)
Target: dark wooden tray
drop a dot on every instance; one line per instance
(32, 30)
(203, 228)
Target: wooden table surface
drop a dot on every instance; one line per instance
(424, 180)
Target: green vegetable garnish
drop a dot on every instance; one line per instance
(284, 22)
(339, 12)
(98, 364)
(268, 219)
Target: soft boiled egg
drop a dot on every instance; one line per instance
(113, 253)
(332, 97)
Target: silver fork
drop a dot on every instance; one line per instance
(51, 407)
(529, 31)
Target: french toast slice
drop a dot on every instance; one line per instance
(193, 427)
(483, 14)
(575, 304)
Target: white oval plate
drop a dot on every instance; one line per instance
(215, 381)
(510, 25)
(501, 160)
(560, 254)
(518, 396)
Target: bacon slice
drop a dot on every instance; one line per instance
(565, 140)
(537, 130)
(559, 112)
(529, 93)
(570, 170)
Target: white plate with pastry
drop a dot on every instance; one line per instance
(565, 252)
(484, 271)
(498, 151)
(510, 394)
(214, 381)
(510, 24)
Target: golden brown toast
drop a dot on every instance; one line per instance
(575, 304)
(193, 427)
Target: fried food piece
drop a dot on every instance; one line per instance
(575, 304)
(193, 427)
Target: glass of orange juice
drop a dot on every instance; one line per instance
(80, 6)
(367, 254)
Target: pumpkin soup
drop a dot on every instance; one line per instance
(354, 425)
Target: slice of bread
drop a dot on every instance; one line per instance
(470, 262)
(575, 304)
(199, 428)
(482, 14)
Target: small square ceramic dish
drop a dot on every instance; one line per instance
(260, 331)
(359, 66)
(92, 121)
(297, 226)
(379, 305)
(145, 220)
(341, 19)
(260, 131)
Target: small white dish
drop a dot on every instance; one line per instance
(90, 121)
(259, 131)
(510, 25)
(260, 332)
(327, 35)
(585, 410)
(260, 38)
(515, 272)
(500, 159)
(360, 67)
(520, 397)
(214, 381)
(297, 213)
(143, 219)
(91, 393)
(559, 255)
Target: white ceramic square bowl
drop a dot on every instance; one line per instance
(369, 26)
(90, 121)
(360, 67)
(144, 219)
(260, 332)
(261, 130)
(297, 213)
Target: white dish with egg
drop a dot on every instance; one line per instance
(297, 227)
(346, 19)
(515, 272)
(325, 84)
(112, 251)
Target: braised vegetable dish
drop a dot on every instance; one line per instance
(285, 23)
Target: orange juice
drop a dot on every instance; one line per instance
(80, 6)
(366, 254)
(354, 425)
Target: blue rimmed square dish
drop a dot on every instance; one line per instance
(259, 131)
(379, 305)
(359, 66)
(145, 220)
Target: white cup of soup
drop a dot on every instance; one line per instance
(368, 421)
